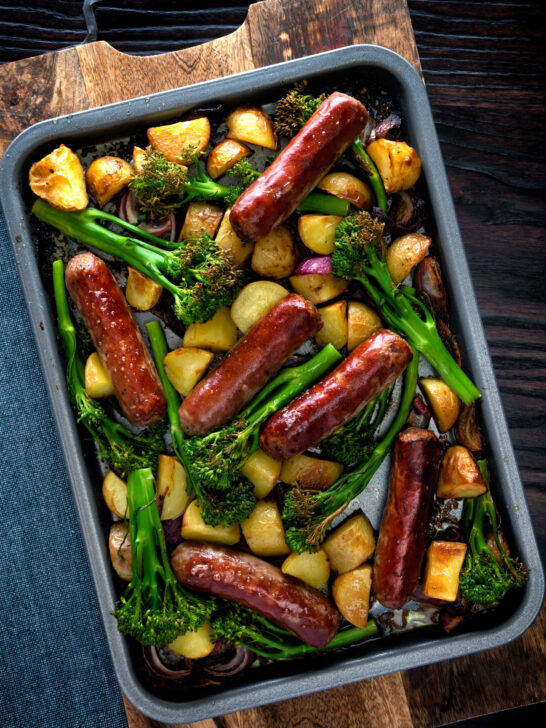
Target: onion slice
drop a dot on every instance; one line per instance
(179, 670)
(320, 265)
(229, 662)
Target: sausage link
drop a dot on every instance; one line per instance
(256, 584)
(299, 167)
(325, 407)
(402, 536)
(249, 365)
(117, 339)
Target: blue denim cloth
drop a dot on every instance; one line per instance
(55, 667)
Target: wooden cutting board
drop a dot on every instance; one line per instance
(277, 30)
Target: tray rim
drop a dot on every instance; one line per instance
(354, 669)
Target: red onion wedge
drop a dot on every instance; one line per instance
(171, 529)
(229, 662)
(128, 211)
(320, 265)
(166, 664)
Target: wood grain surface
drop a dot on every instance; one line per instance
(484, 66)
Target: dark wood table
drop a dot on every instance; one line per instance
(484, 65)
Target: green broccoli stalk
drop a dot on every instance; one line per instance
(485, 579)
(155, 608)
(244, 628)
(359, 256)
(296, 108)
(355, 439)
(201, 276)
(307, 514)
(122, 449)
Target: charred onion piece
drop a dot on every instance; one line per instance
(166, 664)
(389, 127)
(450, 342)
(420, 414)
(467, 431)
(229, 662)
(427, 279)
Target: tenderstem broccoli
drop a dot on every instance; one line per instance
(307, 514)
(359, 256)
(485, 579)
(201, 276)
(122, 449)
(155, 608)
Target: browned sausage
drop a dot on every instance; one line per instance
(249, 365)
(402, 537)
(299, 167)
(248, 580)
(117, 339)
(322, 409)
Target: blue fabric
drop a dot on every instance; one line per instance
(55, 667)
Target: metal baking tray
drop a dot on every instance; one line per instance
(287, 679)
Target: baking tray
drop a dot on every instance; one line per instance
(377, 657)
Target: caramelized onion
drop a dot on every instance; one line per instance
(229, 662)
(389, 127)
(467, 431)
(166, 664)
(427, 279)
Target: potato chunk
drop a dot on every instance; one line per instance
(201, 218)
(218, 334)
(119, 547)
(442, 568)
(251, 124)
(106, 177)
(351, 592)
(310, 473)
(254, 301)
(171, 487)
(142, 293)
(348, 187)
(312, 568)
(114, 492)
(263, 530)
(350, 544)
(443, 401)
(227, 239)
(262, 471)
(224, 156)
(317, 232)
(362, 322)
(184, 367)
(317, 287)
(172, 139)
(404, 253)
(97, 380)
(194, 527)
(275, 254)
(334, 325)
(460, 476)
(194, 645)
(58, 179)
(396, 162)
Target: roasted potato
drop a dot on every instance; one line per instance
(224, 156)
(348, 187)
(201, 218)
(142, 293)
(318, 288)
(310, 472)
(171, 488)
(275, 255)
(139, 157)
(119, 547)
(97, 380)
(194, 527)
(58, 179)
(227, 239)
(396, 162)
(254, 301)
(106, 176)
(459, 476)
(404, 253)
(350, 544)
(114, 492)
(334, 325)
(172, 139)
(444, 403)
(443, 565)
(312, 568)
(262, 471)
(263, 530)
(218, 334)
(184, 367)
(317, 232)
(362, 322)
(351, 592)
(251, 124)
(194, 645)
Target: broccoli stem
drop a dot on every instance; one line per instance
(324, 205)
(374, 177)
